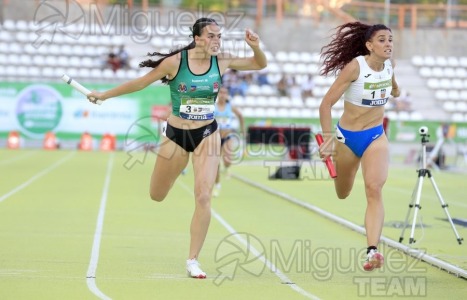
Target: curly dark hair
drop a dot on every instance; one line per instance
(196, 31)
(347, 43)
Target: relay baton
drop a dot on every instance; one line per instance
(77, 86)
(328, 161)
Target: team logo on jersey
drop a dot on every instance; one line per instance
(182, 87)
(206, 132)
(383, 93)
(215, 87)
(193, 88)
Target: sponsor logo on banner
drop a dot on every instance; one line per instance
(38, 110)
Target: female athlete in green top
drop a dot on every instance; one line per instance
(191, 127)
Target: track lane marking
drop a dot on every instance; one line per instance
(257, 253)
(37, 176)
(92, 268)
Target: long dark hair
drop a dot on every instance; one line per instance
(347, 43)
(195, 31)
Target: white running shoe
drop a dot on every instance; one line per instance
(373, 260)
(193, 270)
(216, 190)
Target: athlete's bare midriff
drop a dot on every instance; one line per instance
(356, 118)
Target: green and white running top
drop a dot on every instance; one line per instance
(371, 89)
(193, 95)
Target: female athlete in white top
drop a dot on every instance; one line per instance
(361, 55)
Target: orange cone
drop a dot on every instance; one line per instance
(107, 142)
(13, 140)
(50, 141)
(86, 142)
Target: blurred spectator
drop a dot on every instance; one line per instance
(403, 102)
(282, 85)
(262, 78)
(113, 62)
(307, 87)
(116, 60)
(235, 83)
(124, 57)
(295, 91)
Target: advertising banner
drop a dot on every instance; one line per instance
(35, 109)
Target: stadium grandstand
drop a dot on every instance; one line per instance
(51, 38)
(86, 213)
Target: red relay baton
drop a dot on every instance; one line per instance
(328, 161)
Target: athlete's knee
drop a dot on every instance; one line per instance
(343, 191)
(157, 196)
(342, 194)
(374, 189)
(203, 199)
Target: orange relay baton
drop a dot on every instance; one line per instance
(328, 161)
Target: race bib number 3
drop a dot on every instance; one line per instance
(197, 109)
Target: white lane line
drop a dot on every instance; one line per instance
(257, 253)
(16, 158)
(37, 176)
(91, 274)
(415, 253)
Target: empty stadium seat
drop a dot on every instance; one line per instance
(254, 89)
(271, 112)
(273, 68)
(9, 25)
(457, 84)
(295, 113)
(449, 106)
(453, 95)
(416, 116)
(417, 61)
(458, 117)
(282, 112)
(441, 95)
(306, 57)
(444, 83)
(425, 71)
(463, 61)
(429, 61)
(237, 100)
(294, 57)
(307, 113)
(437, 72)
(273, 101)
(461, 72)
(259, 112)
(461, 106)
(261, 101)
(452, 61)
(433, 83)
(96, 73)
(282, 56)
(441, 61)
(288, 68)
(266, 89)
(5, 36)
